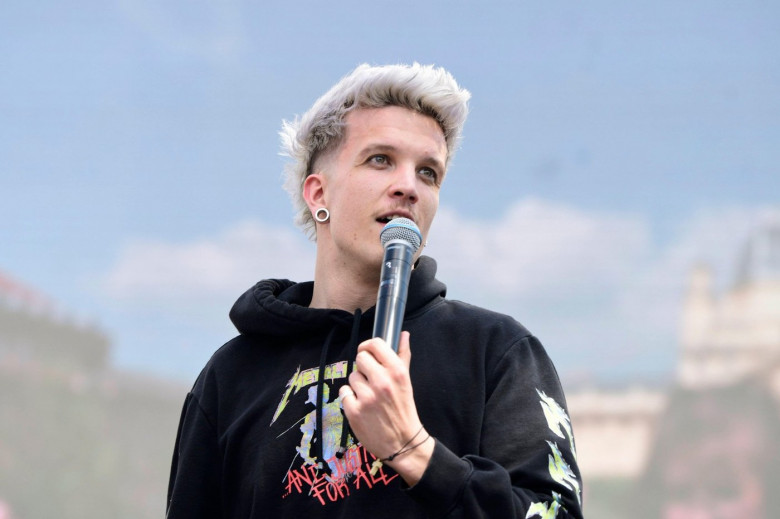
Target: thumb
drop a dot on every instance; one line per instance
(404, 349)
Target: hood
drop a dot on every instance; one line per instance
(279, 307)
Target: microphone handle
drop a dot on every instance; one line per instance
(393, 287)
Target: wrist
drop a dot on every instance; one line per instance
(412, 462)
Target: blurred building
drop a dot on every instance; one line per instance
(729, 351)
(78, 439)
(614, 430)
(736, 336)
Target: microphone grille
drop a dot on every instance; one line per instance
(402, 229)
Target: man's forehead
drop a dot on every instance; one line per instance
(366, 123)
(368, 114)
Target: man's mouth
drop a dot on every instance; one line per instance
(387, 219)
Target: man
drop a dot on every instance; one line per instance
(305, 415)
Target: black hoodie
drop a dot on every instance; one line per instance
(254, 440)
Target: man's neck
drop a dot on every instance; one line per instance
(343, 286)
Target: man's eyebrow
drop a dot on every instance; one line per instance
(378, 148)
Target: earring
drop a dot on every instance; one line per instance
(325, 215)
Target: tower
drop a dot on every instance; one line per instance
(734, 336)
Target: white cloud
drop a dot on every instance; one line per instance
(539, 246)
(222, 265)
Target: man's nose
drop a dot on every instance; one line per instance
(405, 183)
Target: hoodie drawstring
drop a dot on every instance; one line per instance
(320, 395)
(353, 344)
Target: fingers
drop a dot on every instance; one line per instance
(378, 367)
(384, 354)
(359, 385)
(405, 349)
(345, 392)
(349, 401)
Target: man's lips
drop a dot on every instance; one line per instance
(392, 216)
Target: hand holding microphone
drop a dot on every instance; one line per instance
(386, 422)
(401, 238)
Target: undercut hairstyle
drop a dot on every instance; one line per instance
(426, 89)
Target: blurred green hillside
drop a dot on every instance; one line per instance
(78, 440)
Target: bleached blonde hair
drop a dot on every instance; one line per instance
(425, 89)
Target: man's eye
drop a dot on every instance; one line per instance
(429, 173)
(379, 159)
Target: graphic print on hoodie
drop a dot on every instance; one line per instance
(328, 466)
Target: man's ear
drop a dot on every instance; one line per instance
(314, 191)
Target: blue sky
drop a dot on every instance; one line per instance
(610, 146)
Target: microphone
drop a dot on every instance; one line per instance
(401, 238)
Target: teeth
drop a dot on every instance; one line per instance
(390, 218)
